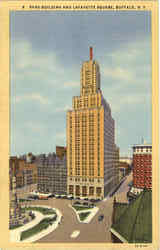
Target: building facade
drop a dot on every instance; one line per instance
(52, 174)
(61, 151)
(142, 166)
(126, 159)
(24, 171)
(117, 178)
(91, 147)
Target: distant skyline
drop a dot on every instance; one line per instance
(47, 51)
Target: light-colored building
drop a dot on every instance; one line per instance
(91, 150)
(126, 159)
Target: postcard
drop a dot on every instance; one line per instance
(79, 127)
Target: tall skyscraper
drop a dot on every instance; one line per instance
(90, 138)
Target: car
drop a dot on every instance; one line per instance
(70, 197)
(30, 199)
(91, 205)
(77, 198)
(85, 203)
(63, 196)
(77, 203)
(51, 196)
(97, 200)
(100, 217)
(58, 197)
(92, 200)
(86, 199)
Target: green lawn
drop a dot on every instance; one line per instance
(79, 208)
(45, 211)
(23, 200)
(14, 227)
(83, 215)
(44, 224)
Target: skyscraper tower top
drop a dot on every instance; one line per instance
(90, 76)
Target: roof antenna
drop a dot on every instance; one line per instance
(91, 53)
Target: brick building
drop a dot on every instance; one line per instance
(24, 171)
(142, 167)
(61, 151)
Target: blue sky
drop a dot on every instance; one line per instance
(47, 51)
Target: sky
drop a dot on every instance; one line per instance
(47, 50)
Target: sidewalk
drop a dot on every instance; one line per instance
(92, 211)
(16, 233)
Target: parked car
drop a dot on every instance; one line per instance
(63, 196)
(85, 203)
(92, 200)
(58, 197)
(91, 205)
(97, 200)
(70, 197)
(77, 203)
(77, 198)
(100, 217)
(30, 199)
(51, 196)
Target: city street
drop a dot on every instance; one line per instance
(94, 231)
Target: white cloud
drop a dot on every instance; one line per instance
(134, 52)
(128, 63)
(117, 103)
(63, 109)
(32, 97)
(32, 63)
(71, 84)
(118, 73)
(35, 127)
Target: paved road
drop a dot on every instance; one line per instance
(92, 232)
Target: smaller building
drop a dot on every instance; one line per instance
(61, 151)
(52, 174)
(126, 159)
(124, 169)
(25, 171)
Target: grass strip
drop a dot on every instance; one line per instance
(14, 227)
(45, 211)
(23, 200)
(83, 216)
(43, 224)
(78, 208)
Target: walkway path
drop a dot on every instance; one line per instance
(15, 234)
(92, 211)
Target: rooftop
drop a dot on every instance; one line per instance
(133, 222)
